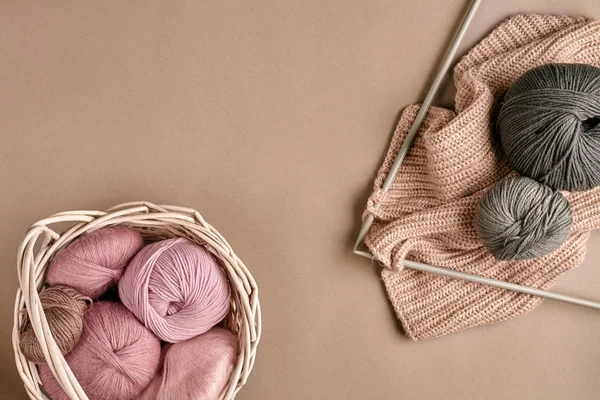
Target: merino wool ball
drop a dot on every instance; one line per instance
(197, 369)
(549, 125)
(95, 261)
(64, 308)
(520, 219)
(115, 359)
(176, 288)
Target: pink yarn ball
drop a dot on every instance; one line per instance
(197, 369)
(115, 359)
(95, 261)
(176, 288)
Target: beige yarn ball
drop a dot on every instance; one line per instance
(64, 308)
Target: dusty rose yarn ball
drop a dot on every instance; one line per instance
(197, 369)
(115, 359)
(95, 261)
(176, 288)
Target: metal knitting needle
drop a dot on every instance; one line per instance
(398, 162)
(412, 133)
(501, 284)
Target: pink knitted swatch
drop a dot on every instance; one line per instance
(427, 215)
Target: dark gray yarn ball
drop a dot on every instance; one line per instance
(549, 125)
(519, 219)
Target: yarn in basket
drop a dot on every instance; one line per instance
(96, 260)
(197, 369)
(519, 218)
(64, 308)
(549, 125)
(115, 359)
(176, 288)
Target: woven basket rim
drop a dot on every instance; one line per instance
(41, 242)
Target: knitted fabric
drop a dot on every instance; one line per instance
(427, 215)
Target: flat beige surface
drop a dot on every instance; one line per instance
(271, 118)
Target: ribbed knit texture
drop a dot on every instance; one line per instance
(427, 215)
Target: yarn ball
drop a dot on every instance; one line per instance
(519, 219)
(176, 288)
(95, 261)
(197, 369)
(549, 125)
(116, 358)
(64, 308)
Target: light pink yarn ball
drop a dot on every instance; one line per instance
(115, 359)
(95, 261)
(176, 288)
(197, 369)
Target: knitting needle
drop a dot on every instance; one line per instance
(398, 162)
(500, 284)
(412, 133)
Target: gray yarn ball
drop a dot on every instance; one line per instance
(549, 125)
(519, 219)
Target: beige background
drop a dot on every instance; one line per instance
(271, 118)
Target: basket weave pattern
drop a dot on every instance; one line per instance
(154, 223)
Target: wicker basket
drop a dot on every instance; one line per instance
(154, 223)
